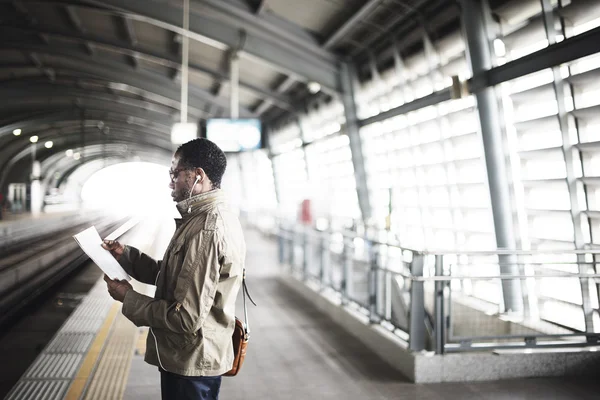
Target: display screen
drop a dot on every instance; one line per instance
(234, 134)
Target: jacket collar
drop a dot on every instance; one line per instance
(200, 203)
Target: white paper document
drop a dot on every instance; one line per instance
(91, 243)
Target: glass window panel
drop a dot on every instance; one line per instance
(555, 197)
(555, 227)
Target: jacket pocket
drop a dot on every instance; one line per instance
(177, 254)
(170, 270)
(181, 340)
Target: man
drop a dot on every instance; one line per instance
(192, 315)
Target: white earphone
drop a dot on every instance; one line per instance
(189, 210)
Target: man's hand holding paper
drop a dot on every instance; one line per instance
(90, 242)
(115, 248)
(117, 289)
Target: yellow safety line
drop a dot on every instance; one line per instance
(87, 367)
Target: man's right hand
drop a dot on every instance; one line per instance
(115, 248)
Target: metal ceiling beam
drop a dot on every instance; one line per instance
(22, 10)
(74, 87)
(91, 120)
(49, 118)
(130, 31)
(175, 49)
(57, 162)
(408, 34)
(15, 97)
(131, 38)
(74, 140)
(71, 140)
(74, 18)
(238, 14)
(26, 152)
(74, 79)
(262, 7)
(100, 115)
(568, 50)
(282, 87)
(72, 137)
(111, 128)
(146, 80)
(74, 134)
(385, 30)
(160, 143)
(270, 40)
(429, 100)
(49, 72)
(75, 21)
(104, 105)
(172, 60)
(264, 106)
(351, 23)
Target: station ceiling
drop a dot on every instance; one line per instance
(88, 72)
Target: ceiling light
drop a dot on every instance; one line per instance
(33, 139)
(314, 87)
(69, 153)
(499, 48)
(48, 144)
(17, 132)
(76, 156)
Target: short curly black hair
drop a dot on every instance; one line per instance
(202, 153)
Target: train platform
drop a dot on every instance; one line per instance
(22, 218)
(295, 351)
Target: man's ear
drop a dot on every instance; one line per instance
(200, 173)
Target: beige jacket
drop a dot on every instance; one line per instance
(192, 314)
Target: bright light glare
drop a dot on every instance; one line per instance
(48, 144)
(33, 139)
(183, 132)
(17, 132)
(137, 188)
(69, 153)
(76, 156)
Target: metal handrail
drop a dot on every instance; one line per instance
(483, 277)
(500, 252)
(417, 270)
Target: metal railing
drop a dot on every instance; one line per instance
(450, 302)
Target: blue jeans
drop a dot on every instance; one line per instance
(178, 387)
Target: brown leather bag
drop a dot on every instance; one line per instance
(241, 335)
(240, 342)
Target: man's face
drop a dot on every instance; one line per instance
(181, 180)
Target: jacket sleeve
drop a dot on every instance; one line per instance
(139, 265)
(194, 291)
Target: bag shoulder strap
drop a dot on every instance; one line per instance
(244, 294)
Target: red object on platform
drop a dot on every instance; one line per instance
(305, 213)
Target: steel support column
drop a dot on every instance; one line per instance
(417, 332)
(479, 54)
(570, 157)
(348, 75)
